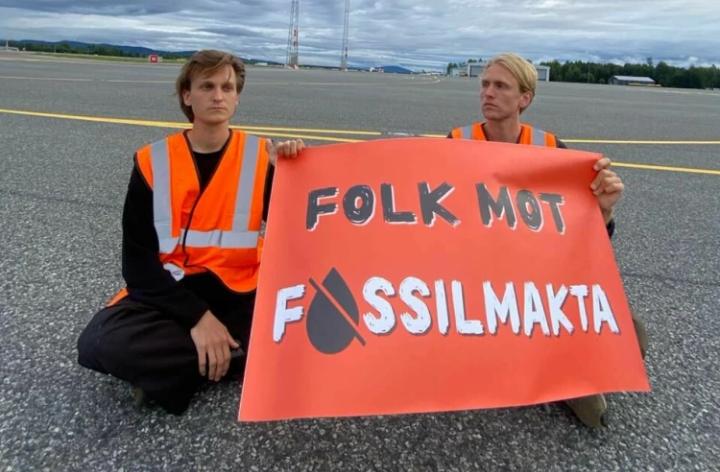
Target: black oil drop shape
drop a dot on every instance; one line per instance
(329, 330)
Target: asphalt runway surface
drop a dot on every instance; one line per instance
(62, 185)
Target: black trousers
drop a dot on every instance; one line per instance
(152, 351)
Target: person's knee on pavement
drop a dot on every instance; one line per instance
(101, 348)
(640, 333)
(87, 351)
(88, 346)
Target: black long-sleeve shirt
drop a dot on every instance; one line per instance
(147, 281)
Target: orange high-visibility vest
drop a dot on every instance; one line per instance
(217, 230)
(528, 135)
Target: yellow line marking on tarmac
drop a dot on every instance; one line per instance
(311, 130)
(688, 170)
(619, 141)
(175, 124)
(307, 136)
(98, 119)
(299, 133)
(615, 141)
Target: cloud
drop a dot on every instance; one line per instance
(420, 33)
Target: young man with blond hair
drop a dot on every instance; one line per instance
(508, 85)
(191, 246)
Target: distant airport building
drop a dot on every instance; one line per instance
(543, 73)
(474, 69)
(630, 80)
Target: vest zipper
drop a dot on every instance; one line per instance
(202, 190)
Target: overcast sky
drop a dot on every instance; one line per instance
(419, 33)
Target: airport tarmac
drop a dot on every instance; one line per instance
(62, 184)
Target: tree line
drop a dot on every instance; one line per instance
(662, 73)
(595, 73)
(93, 49)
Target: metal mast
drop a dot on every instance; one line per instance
(344, 55)
(291, 59)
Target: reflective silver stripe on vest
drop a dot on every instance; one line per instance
(223, 239)
(246, 185)
(467, 132)
(238, 238)
(162, 199)
(538, 137)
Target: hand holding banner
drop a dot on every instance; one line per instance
(419, 275)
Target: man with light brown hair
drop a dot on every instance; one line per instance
(508, 85)
(191, 246)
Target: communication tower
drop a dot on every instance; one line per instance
(344, 56)
(291, 59)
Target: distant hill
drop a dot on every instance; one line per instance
(94, 48)
(145, 51)
(396, 70)
(104, 49)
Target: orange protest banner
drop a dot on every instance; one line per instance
(419, 275)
